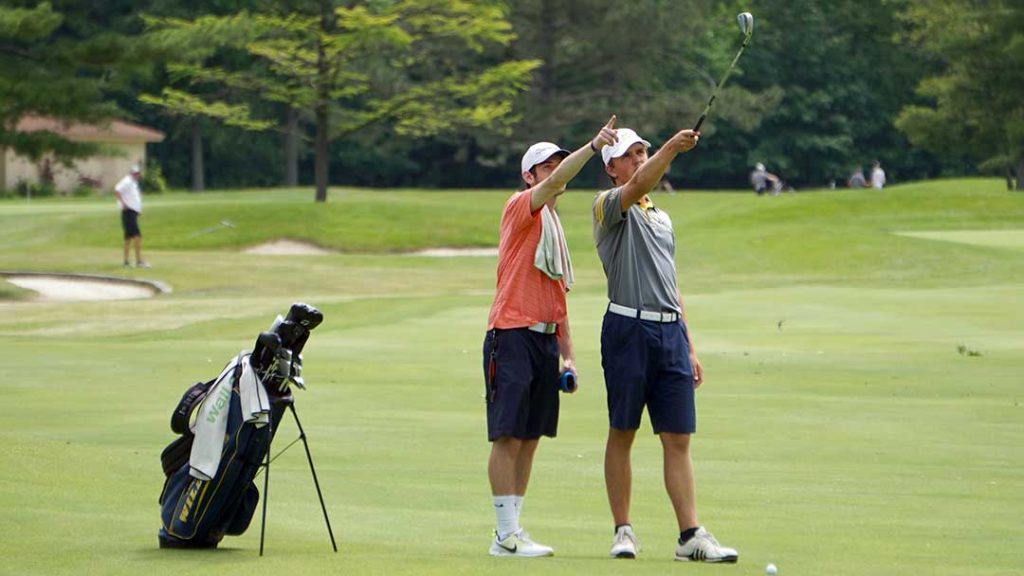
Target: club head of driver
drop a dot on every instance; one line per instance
(746, 22)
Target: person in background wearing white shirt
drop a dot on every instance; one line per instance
(877, 176)
(129, 198)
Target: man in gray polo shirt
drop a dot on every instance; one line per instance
(646, 351)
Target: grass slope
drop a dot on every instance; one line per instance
(843, 429)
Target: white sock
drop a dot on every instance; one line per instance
(519, 506)
(506, 512)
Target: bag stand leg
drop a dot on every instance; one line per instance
(312, 469)
(316, 482)
(266, 487)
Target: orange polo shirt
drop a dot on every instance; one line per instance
(525, 295)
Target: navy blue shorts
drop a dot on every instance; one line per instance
(521, 383)
(648, 364)
(130, 223)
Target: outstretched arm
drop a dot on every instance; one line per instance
(555, 184)
(651, 172)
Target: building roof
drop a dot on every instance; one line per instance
(115, 131)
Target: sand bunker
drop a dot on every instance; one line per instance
(78, 288)
(297, 247)
(453, 252)
(287, 247)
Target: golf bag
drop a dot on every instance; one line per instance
(226, 427)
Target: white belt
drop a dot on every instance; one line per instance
(643, 314)
(544, 327)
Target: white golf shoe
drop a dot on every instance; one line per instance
(625, 544)
(519, 544)
(704, 548)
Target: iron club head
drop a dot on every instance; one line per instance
(746, 22)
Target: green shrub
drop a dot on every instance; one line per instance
(153, 181)
(83, 190)
(26, 189)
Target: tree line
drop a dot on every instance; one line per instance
(448, 93)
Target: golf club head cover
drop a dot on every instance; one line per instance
(264, 352)
(294, 330)
(276, 356)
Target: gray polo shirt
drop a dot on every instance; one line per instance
(637, 248)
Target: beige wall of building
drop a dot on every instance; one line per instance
(123, 144)
(106, 170)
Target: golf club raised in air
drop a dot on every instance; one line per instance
(746, 23)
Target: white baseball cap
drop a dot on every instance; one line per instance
(538, 153)
(759, 166)
(627, 137)
(136, 169)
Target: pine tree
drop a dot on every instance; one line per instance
(401, 63)
(51, 65)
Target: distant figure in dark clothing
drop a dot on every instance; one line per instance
(857, 180)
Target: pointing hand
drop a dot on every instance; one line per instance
(606, 137)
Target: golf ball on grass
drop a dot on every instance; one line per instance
(771, 570)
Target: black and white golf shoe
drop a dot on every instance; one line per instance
(704, 548)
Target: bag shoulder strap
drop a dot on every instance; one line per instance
(192, 398)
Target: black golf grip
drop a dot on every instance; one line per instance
(696, 127)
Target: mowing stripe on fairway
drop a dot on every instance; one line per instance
(1013, 239)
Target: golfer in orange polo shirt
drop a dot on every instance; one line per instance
(527, 331)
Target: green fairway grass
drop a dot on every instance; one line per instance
(863, 411)
(990, 238)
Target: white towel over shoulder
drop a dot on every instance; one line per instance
(211, 423)
(552, 256)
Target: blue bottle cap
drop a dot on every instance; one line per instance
(567, 382)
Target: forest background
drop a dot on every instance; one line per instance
(432, 94)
